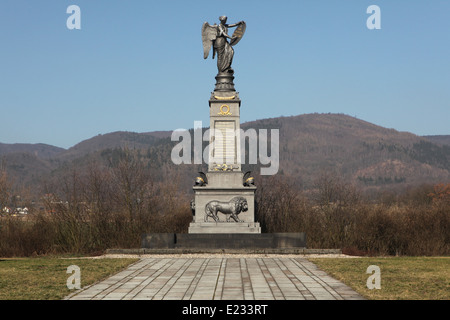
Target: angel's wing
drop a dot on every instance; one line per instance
(209, 34)
(238, 33)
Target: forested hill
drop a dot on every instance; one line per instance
(360, 152)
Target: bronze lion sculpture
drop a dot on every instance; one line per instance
(231, 209)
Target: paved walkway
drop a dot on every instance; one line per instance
(264, 278)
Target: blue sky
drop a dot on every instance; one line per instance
(138, 65)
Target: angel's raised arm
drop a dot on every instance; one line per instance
(235, 24)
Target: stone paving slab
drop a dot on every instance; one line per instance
(255, 278)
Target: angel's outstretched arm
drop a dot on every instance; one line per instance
(234, 24)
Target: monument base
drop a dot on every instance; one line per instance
(224, 187)
(224, 227)
(224, 82)
(217, 241)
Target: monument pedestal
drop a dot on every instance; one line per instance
(222, 188)
(224, 82)
(224, 202)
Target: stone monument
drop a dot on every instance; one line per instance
(224, 197)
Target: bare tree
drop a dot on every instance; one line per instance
(330, 189)
(279, 204)
(132, 181)
(5, 187)
(98, 190)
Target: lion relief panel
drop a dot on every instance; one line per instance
(231, 209)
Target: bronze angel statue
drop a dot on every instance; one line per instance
(216, 36)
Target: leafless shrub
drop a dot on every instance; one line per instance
(5, 187)
(111, 205)
(279, 204)
(335, 216)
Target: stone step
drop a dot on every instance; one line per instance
(224, 227)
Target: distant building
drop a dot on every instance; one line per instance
(21, 210)
(16, 211)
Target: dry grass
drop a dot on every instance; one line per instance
(402, 278)
(46, 278)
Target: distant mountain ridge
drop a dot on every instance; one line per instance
(439, 139)
(356, 149)
(361, 152)
(118, 139)
(40, 150)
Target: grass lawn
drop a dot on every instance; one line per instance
(402, 278)
(46, 278)
(412, 278)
